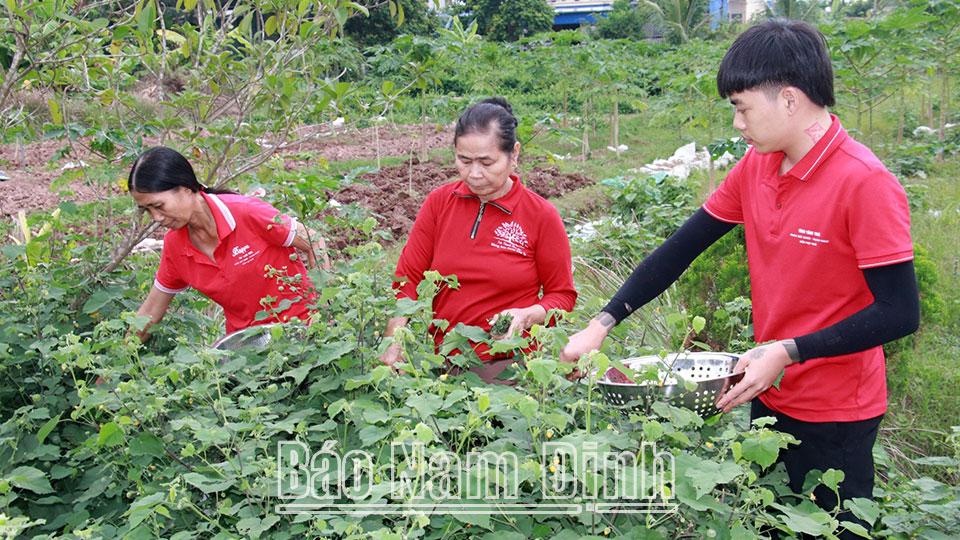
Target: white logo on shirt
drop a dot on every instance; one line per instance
(808, 237)
(510, 236)
(243, 255)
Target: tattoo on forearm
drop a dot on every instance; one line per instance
(606, 320)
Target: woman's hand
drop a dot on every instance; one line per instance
(155, 306)
(761, 366)
(523, 318)
(394, 354)
(309, 243)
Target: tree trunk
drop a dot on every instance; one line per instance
(923, 106)
(903, 93)
(423, 127)
(615, 128)
(376, 134)
(585, 145)
(564, 108)
(944, 96)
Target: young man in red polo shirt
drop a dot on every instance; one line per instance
(828, 244)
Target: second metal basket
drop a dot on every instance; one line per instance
(711, 373)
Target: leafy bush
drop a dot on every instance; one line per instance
(715, 287)
(658, 202)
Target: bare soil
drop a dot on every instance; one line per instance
(393, 195)
(32, 168)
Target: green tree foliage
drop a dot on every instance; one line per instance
(681, 19)
(509, 20)
(381, 27)
(801, 10)
(624, 21)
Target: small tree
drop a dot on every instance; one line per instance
(385, 23)
(624, 21)
(509, 20)
(680, 19)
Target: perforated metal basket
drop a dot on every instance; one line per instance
(253, 336)
(711, 373)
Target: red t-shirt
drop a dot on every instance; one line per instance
(809, 234)
(503, 253)
(252, 236)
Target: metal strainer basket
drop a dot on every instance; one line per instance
(253, 336)
(711, 372)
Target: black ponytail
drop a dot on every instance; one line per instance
(162, 169)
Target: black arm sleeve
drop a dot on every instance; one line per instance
(662, 267)
(894, 313)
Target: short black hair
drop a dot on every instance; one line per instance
(478, 118)
(162, 169)
(778, 53)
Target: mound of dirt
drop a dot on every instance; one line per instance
(395, 194)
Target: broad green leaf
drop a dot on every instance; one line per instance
(207, 484)
(31, 479)
(146, 444)
(172, 36)
(270, 27)
(146, 20)
(373, 434)
(762, 449)
(55, 113)
(426, 405)
(832, 478)
(652, 430)
(46, 428)
(477, 520)
(483, 402)
(528, 407)
(110, 435)
(856, 529)
(423, 433)
(865, 509)
(334, 409)
(806, 518)
(96, 301)
(542, 369)
(708, 474)
(698, 324)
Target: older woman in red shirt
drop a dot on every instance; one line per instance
(506, 245)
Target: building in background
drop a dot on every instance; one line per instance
(573, 13)
(724, 11)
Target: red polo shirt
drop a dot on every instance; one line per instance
(809, 234)
(504, 254)
(250, 240)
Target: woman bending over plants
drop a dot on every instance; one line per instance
(506, 245)
(238, 251)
